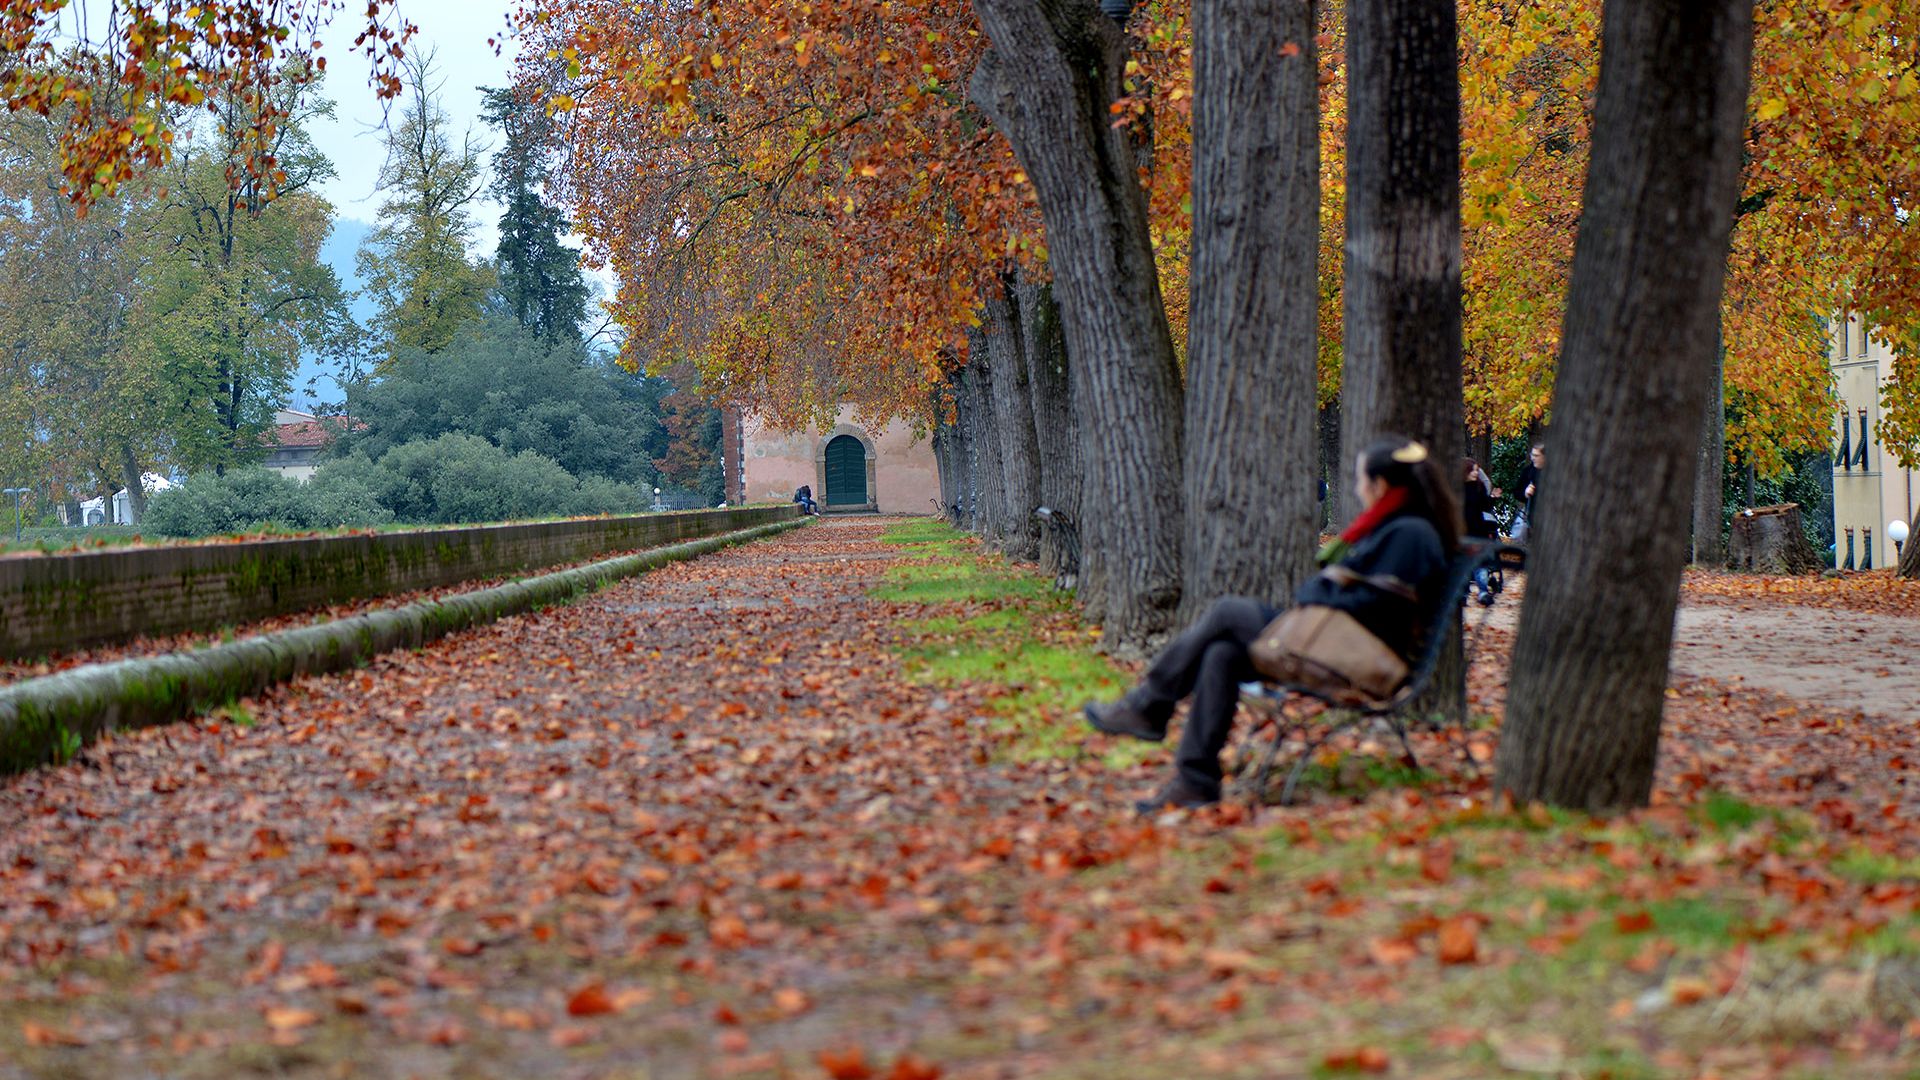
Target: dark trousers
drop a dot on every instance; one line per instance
(1209, 662)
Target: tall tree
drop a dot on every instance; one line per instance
(1252, 342)
(1402, 279)
(234, 290)
(1710, 473)
(415, 261)
(1049, 83)
(77, 403)
(540, 278)
(1590, 667)
(1004, 337)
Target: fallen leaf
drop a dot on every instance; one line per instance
(590, 1000)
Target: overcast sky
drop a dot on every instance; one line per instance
(456, 31)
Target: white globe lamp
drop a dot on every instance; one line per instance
(1897, 532)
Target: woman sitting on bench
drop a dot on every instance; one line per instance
(1382, 570)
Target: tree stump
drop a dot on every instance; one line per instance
(1769, 540)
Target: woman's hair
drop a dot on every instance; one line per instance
(1433, 495)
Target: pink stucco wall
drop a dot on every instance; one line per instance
(904, 474)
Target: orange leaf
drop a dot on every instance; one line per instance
(1367, 1059)
(848, 1064)
(286, 1018)
(909, 1067)
(42, 1035)
(1391, 952)
(590, 1000)
(1459, 940)
(1633, 922)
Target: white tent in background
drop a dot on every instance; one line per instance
(122, 506)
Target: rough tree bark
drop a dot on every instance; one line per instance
(943, 461)
(1590, 666)
(989, 512)
(1333, 471)
(1252, 346)
(1047, 82)
(1013, 418)
(967, 429)
(1401, 369)
(1056, 428)
(1710, 473)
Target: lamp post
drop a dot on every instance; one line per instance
(1897, 532)
(656, 499)
(16, 493)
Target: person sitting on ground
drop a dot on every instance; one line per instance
(1383, 570)
(804, 496)
(1476, 512)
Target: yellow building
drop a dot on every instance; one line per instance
(1870, 489)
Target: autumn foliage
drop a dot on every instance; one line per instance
(799, 200)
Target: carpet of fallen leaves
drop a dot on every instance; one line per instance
(712, 822)
(1880, 592)
(14, 670)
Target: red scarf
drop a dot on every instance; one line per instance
(1370, 519)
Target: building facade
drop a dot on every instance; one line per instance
(1870, 489)
(850, 467)
(294, 447)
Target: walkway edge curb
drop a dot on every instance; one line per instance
(40, 719)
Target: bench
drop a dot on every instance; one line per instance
(1343, 713)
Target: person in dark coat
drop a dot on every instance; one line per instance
(1477, 517)
(1383, 570)
(804, 496)
(1529, 489)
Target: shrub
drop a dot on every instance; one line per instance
(454, 479)
(209, 504)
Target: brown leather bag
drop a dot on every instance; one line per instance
(1327, 649)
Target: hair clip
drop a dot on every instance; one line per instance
(1411, 454)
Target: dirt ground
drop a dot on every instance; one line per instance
(1834, 657)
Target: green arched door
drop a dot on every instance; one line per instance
(846, 472)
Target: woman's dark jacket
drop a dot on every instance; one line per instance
(1475, 505)
(1405, 562)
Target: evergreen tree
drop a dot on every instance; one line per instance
(540, 279)
(415, 263)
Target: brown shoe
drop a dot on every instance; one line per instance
(1120, 718)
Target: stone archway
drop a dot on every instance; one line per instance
(839, 498)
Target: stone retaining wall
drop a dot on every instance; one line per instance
(59, 602)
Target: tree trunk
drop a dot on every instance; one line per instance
(1590, 666)
(989, 512)
(1333, 470)
(1710, 474)
(1013, 418)
(1253, 342)
(943, 459)
(1047, 83)
(1056, 430)
(1401, 370)
(1770, 540)
(967, 466)
(131, 475)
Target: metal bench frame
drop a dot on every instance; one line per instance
(1474, 555)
